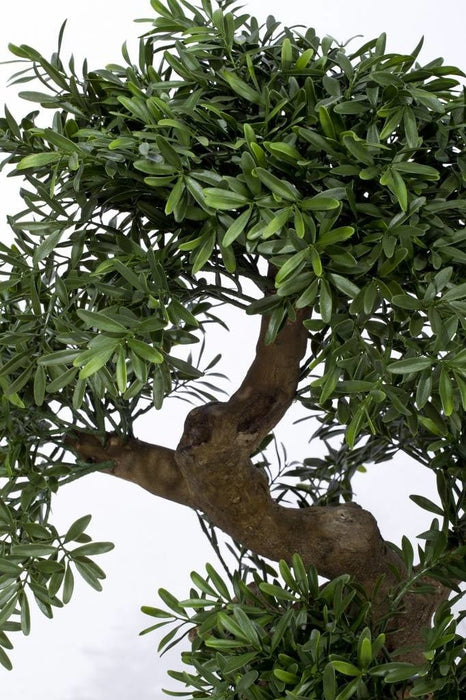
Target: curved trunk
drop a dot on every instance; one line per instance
(211, 471)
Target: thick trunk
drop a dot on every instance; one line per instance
(211, 471)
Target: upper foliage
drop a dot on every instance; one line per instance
(343, 170)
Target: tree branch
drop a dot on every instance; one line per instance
(211, 471)
(152, 467)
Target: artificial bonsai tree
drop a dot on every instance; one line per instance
(319, 187)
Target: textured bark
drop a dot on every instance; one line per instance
(211, 471)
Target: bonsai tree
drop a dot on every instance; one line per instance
(319, 187)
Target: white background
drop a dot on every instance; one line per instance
(91, 650)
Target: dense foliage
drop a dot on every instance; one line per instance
(234, 164)
(297, 640)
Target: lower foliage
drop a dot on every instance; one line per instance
(291, 638)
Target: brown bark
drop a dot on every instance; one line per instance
(211, 471)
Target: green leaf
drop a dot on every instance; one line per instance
(277, 317)
(426, 172)
(241, 87)
(78, 393)
(276, 591)
(158, 387)
(92, 548)
(204, 251)
(38, 160)
(168, 152)
(39, 385)
(61, 357)
(410, 128)
(281, 629)
(326, 122)
(276, 224)
(303, 60)
(461, 384)
(101, 321)
(349, 690)
(202, 584)
(232, 626)
(32, 550)
(446, 392)
(284, 150)
(236, 228)
(316, 261)
(240, 661)
(247, 627)
(87, 573)
(351, 386)
(223, 643)
(346, 668)
(412, 364)
(121, 371)
(355, 426)
(343, 284)
(426, 504)
(365, 653)
(425, 687)
(291, 266)
(175, 196)
(300, 573)
(391, 124)
(408, 552)
(358, 148)
(97, 360)
(336, 235)
(185, 367)
(389, 265)
(404, 301)
(330, 382)
(427, 99)
(326, 301)
(454, 293)
(171, 602)
(68, 585)
(224, 200)
(424, 388)
(286, 53)
(25, 615)
(282, 188)
(64, 144)
(4, 660)
(155, 612)
(77, 528)
(9, 567)
(129, 275)
(351, 107)
(285, 676)
(329, 682)
(47, 246)
(319, 203)
(61, 381)
(399, 671)
(218, 582)
(145, 351)
(394, 181)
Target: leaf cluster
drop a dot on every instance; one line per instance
(293, 638)
(37, 564)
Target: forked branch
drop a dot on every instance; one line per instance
(211, 471)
